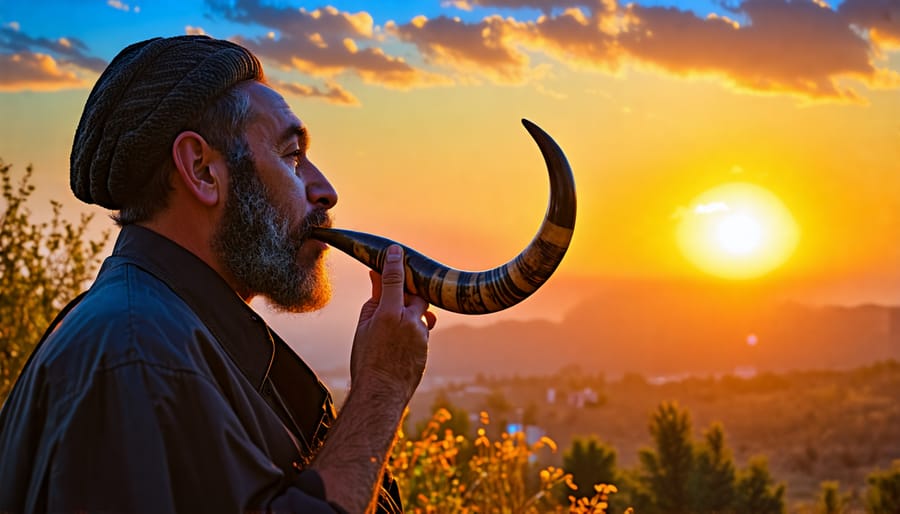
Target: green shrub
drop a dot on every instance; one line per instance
(42, 267)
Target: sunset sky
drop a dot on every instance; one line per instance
(414, 109)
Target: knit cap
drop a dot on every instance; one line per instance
(140, 103)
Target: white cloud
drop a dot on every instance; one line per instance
(122, 6)
(709, 208)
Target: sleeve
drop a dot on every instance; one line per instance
(144, 438)
(310, 483)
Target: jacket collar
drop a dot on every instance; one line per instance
(237, 327)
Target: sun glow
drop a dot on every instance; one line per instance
(737, 231)
(739, 234)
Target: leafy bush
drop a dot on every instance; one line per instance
(499, 476)
(831, 501)
(883, 493)
(42, 267)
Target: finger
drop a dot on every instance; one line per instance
(415, 304)
(430, 319)
(375, 278)
(417, 307)
(392, 280)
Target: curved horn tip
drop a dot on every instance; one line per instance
(535, 130)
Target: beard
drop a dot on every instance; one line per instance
(262, 250)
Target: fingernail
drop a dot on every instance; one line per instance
(393, 254)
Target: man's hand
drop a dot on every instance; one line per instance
(386, 366)
(392, 336)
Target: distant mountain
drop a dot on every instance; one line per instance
(659, 329)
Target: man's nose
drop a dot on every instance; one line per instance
(319, 190)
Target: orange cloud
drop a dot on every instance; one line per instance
(496, 47)
(798, 47)
(331, 93)
(802, 48)
(544, 5)
(194, 31)
(324, 42)
(575, 38)
(28, 71)
(881, 18)
(487, 47)
(66, 50)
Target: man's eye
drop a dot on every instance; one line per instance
(297, 155)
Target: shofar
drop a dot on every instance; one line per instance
(481, 292)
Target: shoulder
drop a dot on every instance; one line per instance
(128, 316)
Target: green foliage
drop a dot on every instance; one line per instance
(711, 482)
(756, 492)
(680, 476)
(42, 267)
(830, 499)
(499, 477)
(883, 492)
(590, 462)
(500, 407)
(633, 492)
(668, 466)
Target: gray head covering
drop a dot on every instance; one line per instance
(140, 103)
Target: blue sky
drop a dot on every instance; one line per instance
(104, 24)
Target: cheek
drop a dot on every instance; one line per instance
(289, 196)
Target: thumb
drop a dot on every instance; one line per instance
(392, 279)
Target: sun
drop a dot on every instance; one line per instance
(737, 231)
(739, 234)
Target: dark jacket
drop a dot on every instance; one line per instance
(162, 391)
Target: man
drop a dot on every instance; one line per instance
(160, 389)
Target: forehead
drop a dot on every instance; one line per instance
(272, 117)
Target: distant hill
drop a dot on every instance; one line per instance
(658, 329)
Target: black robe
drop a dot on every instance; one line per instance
(161, 390)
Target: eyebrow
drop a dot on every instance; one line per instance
(296, 131)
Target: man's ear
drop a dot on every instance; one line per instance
(200, 168)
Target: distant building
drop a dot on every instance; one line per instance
(476, 389)
(580, 398)
(668, 379)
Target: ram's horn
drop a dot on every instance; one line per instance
(482, 292)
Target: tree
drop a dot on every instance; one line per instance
(883, 492)
(830, 499)
(42, 267)
(668, 467)
(756, 492)
(498, 406)
(711, 484)
(590, 462)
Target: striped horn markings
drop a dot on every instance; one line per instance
(482, 292)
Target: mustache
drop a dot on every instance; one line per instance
(319, 218)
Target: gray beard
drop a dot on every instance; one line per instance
(260, 249)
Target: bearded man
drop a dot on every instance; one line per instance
(160, 389)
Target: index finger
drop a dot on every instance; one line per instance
(392, 277)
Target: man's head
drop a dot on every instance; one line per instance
(150, 92)
(182, 132)
(275, 196)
